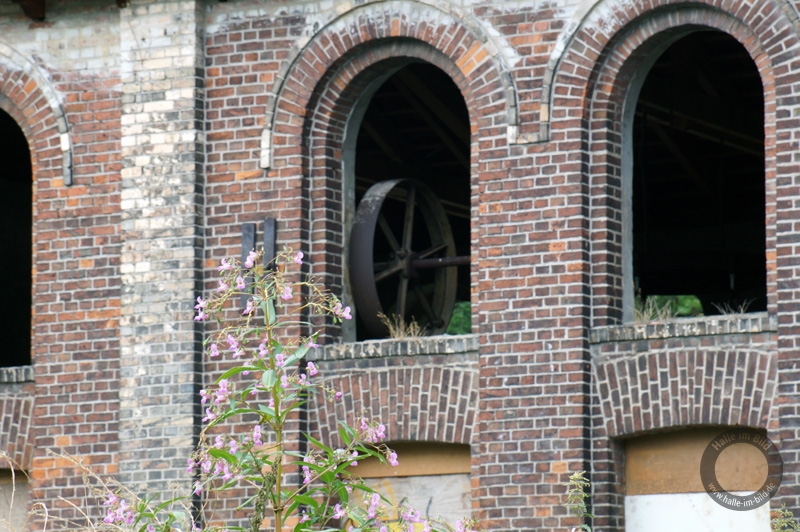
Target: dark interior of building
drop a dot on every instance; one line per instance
(698, 186)
(417, 126)
(15, 242)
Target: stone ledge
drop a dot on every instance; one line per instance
(16, 374)
(425, 345)
(754, 323)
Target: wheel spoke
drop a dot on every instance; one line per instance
(408, 225)
(387, 232)
(431, 250)
(402, 294)
(390, 270)
(425, 305)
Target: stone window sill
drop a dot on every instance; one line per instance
(424, 345)
(16, 374)
(756, 322)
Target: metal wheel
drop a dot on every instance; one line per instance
(402, 257)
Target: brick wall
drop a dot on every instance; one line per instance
(162, 227)
(184, 120)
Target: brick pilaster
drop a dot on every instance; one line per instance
(162, 155)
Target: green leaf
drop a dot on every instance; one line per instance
(346, 433)
(299, 353)
(222, 453)
(264, 409)
(269, 314)
(319, 444)
(236, 370)
(268, 378)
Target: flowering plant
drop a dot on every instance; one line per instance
(271, 378)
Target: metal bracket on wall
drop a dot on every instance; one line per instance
(249, 244)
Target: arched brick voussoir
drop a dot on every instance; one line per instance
(595, 32)
(680, 387)
(479, 57)
(29, 90)
(415, 403)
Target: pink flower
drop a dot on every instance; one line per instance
(222, 286)
(262, 349)
(257, 435)
(343, 313)
(337, 395)
(225, 265)
(112, 499)
(204, 394)
(280, 360)
(233, 344)
(240, 283)
(287, 293)
(374, 504)
(251, 258)
(249, 309)
(298, 259)
(393, 460)
(306, 474)
(284, 381)
(219, 443)
(311, 344)
(338, 511)
(213, 350)
(312, 369)
(234, 447)
(200, 308)
(223, 392)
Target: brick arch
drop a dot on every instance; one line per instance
(580, 47)
(475, 53)
(31, 100)
(681, 387)
(433, 403)
(342, 90)
(606, 87)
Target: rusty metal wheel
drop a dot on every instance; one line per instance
(402, 257)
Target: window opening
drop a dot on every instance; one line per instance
(415, 132)
(15, 240)
(664, 492)
(698, 182)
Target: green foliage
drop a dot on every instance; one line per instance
(461, 322)
(576, 498)
(661, 308)
(271, 379)
(784, 521)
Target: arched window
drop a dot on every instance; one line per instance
(697, 194)
(15, 242)
(412, 127)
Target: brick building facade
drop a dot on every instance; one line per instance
(588, 154)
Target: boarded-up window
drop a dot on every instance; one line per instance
(664, 492)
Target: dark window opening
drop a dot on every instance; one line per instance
(15, 242)
(417, 126)
(698, 183)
